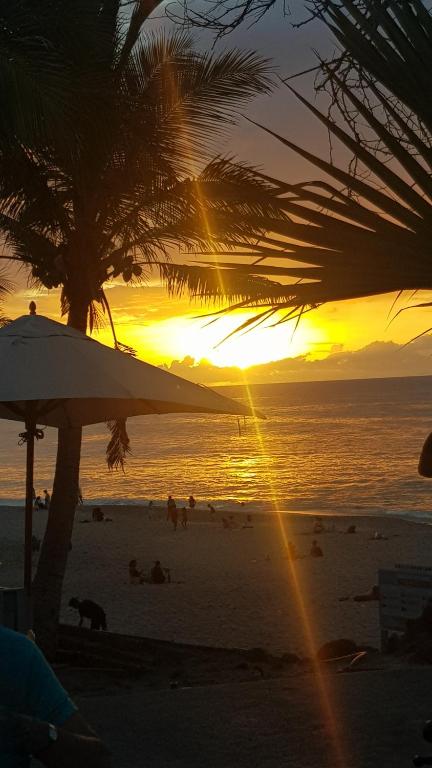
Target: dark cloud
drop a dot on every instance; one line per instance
(379, 359)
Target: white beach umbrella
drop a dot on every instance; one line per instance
(53, 375)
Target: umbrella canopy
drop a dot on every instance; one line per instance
(53, 375)
(73, 380)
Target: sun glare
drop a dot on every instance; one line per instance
(181, 337)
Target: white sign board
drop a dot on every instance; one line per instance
(404, 593)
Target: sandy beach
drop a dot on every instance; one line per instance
(236, 587)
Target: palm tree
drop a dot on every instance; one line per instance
(359, 231)
(111, 198)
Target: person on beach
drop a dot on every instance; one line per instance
(47, 499)
(316, 550)
(172, 513)
(184, 519)
(38, 503)
(212, 511)
(80, 496)
(191, 502)
(157, 575)
(37, 717)
(135, 576)
(318, 525)
(87, 609)
(97, 515)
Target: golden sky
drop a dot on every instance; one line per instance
(163, 329)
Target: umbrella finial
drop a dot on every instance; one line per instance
(32, 308)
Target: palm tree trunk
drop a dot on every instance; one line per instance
(51, 568)
(48, 581)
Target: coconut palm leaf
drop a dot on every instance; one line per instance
(360, 233)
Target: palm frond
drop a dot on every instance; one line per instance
(119, 445)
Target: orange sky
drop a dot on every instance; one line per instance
(163, 329)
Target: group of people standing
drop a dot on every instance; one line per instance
(173, 515)
(39, 502)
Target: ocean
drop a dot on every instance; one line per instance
(348, 447)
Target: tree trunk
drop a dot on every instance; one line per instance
(48, 581)
(51, 568)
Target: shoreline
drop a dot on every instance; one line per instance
(202, 514)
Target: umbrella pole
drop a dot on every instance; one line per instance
(30, 429)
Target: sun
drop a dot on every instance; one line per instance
(202, 339)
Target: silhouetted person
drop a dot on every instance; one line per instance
(37, 717)
(184, 519)
(97, 515)
(80, 496)
(212, 510)
(87, 609)
(47, 499)
(318, 525)
(38, 503)
(135, 576)
(192, 502)
(316, 550)
(172, 512)
(157, 575)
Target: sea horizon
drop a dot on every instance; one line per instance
(346, 447)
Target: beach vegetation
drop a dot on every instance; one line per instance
(359, 228)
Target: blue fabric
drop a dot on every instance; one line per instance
(28, 686)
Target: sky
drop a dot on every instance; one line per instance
(341, 340)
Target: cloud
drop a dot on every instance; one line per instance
(376, 360)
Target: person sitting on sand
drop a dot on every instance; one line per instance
(97, 515)
(87, 609)
(157, 574)
(135, 576)
(316, 550)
